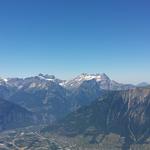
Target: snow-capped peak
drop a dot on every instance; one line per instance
(97, 77)
(85, 77)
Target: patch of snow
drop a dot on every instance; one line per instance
(6, 80)
(32, 85)
(97, 77)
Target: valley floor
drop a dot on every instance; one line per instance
(31, 138)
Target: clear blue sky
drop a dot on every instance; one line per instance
(68, 37)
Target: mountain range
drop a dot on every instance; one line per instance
(89, 104)
(44, 94)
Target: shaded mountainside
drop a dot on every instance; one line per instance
(87, 92)
(126, 113)
(13, 116)
(143, 84)
(44, 101)
(41, 94)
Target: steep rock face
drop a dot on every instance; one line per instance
(12, 116)
(138, 113)
(87, 92)
(125, 112)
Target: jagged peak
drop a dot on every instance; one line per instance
(77, 81)
(46, 76)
